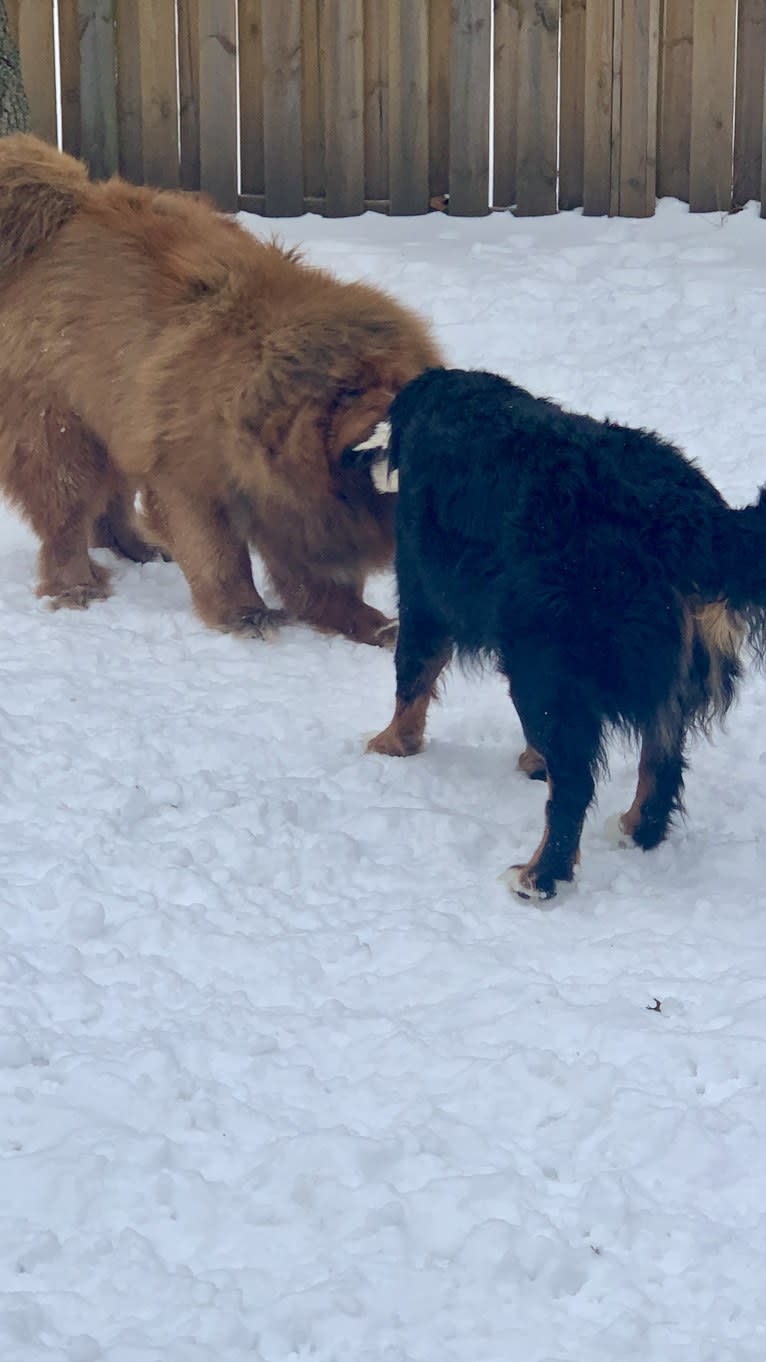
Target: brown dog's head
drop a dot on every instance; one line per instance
(324, 381)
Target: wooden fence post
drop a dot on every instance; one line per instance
(282, 110)
(506, 102)
(408, 107)
(219, 175)
(748, 119)
(597, 148)
(98, 98)
(470, 64)
(710, 164)
(35, 25)
(69, 58)
(537, 170)
(439, 42)
(129, 103)
(675, 102)
(638, 149)
(377, 99)
(343, 62)
(188, 91)
(572, 109)
(159, 92)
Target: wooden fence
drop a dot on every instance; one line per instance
(334, 105)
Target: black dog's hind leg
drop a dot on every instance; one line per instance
(568, 737)
(423, 650)
(660, 786)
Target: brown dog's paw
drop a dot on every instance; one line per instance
(386, 635)
(257, 623)
(79, 597)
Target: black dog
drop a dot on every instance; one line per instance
(594, 565)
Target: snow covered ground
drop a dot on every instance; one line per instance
(285, 1074)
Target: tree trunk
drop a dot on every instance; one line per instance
(14, 110)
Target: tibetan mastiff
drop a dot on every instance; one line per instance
(594, 565)
(151, 344)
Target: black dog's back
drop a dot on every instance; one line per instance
(593, 563)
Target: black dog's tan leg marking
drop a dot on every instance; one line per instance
(567, 737)
(659, 790)
(532, 764)
(422, 653)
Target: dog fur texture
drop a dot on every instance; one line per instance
(150, 343)
(594, 565)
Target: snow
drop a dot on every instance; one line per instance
(286, 1075)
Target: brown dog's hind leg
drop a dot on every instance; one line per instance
(115, 528)
(56, 479)
(215, 560)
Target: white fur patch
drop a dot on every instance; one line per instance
(511, 878)
(384, 481)
(616, 834)
(380, 438)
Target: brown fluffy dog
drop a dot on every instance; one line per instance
(149, 342)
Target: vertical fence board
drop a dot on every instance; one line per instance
(188, 91)
(313, 102)
(129, 110)
(251, 96)
(376, 98)
(470, 66)
(440, 29)
(505, 102)
(763, 160)
(98, 101)
(282, 110)
(12, 15)
(69, 61)
(710, 162)
(218, 101)
(675, 103)
(408, 107)
(748, 120)
(638, 151)
(35, 41)
(538, 107)
(343, 54)
(572, 112)
(614, 172)
(597, 149)
(159, 92)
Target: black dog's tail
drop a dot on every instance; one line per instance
(739, 566)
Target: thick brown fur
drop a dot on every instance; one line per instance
(150, 342)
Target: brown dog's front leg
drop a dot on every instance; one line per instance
(215, 560)
(334, 607)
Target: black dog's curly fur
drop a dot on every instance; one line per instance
(594, 564)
